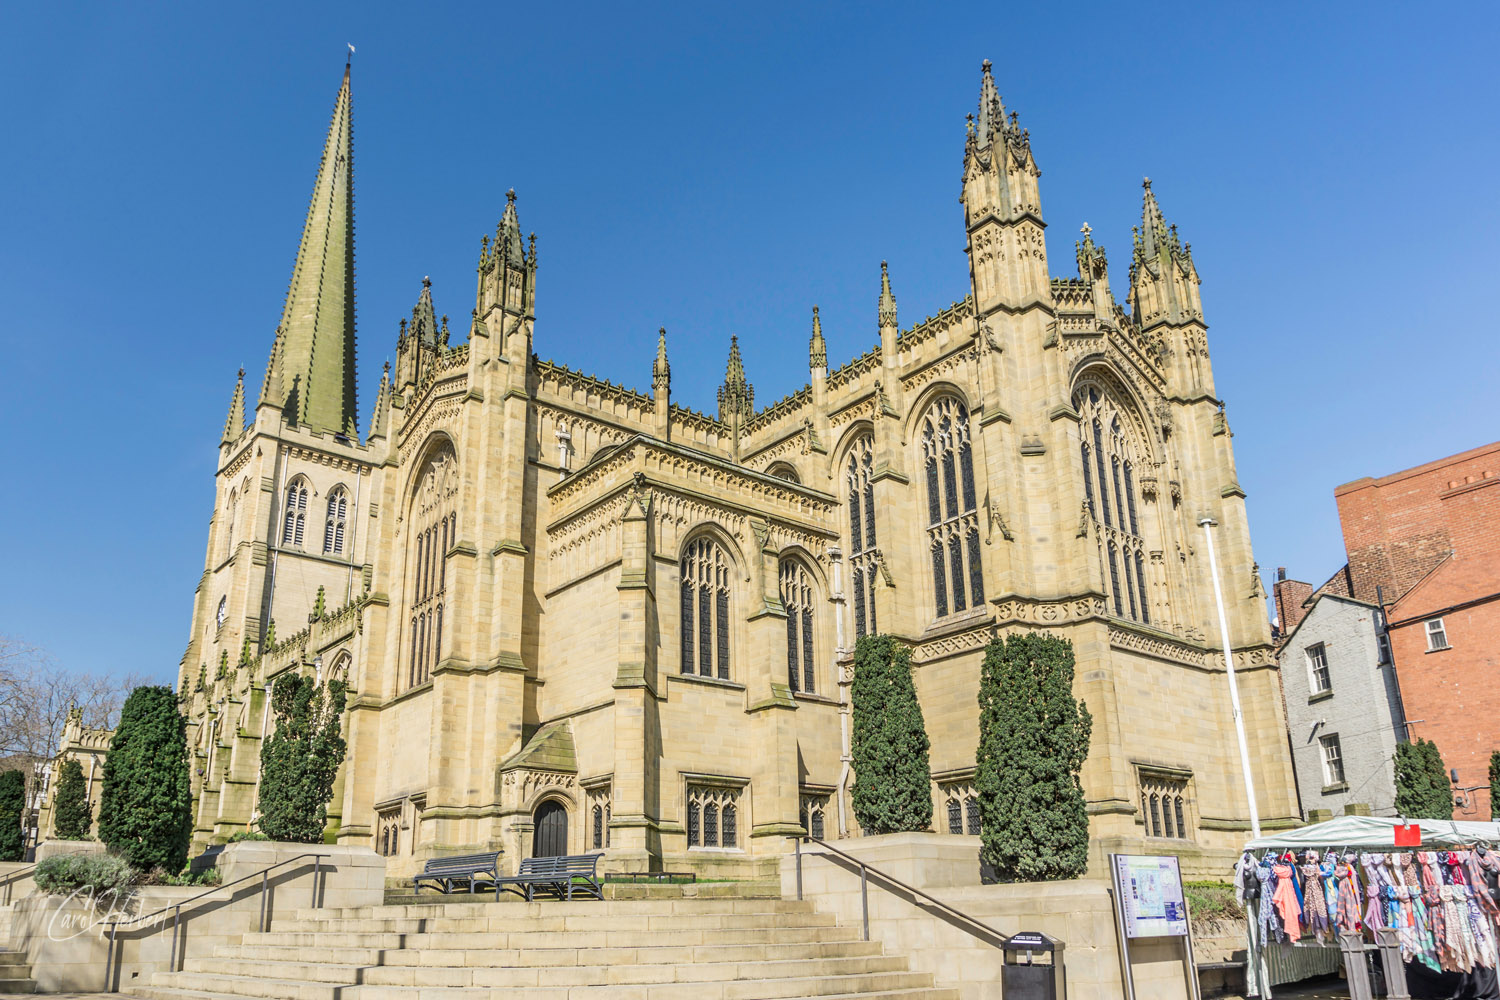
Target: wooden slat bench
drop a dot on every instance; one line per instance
(559, 876)
(445, 873)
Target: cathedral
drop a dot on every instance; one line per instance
(577, 617)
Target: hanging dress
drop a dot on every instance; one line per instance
(1285, 900)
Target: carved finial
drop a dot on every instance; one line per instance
(1146, 183)
(1087, 231)
(985, 66)
(510, 196)
(426, 281)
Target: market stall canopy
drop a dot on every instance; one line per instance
(1377, 833)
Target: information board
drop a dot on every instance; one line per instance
(1151, 903)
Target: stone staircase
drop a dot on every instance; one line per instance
(15, 974)
(624, 949)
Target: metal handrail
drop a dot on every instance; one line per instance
(865, 870)
(11, 879)
(176, 908)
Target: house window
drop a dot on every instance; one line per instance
(333, 525)
(705, 609)
(797, 599)
(859, 483)
(713, 816)
(1317, 668)
(1107, 455)
(952, 511)
(961, 803)
(1437, 635)
(814, 813)
(1165, 806)
(295, 521)
(1333, 760)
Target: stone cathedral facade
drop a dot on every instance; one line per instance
(575, 616)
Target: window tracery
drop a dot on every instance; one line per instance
(952, 513)
(296, 512)
(436, 530)
(705, 609)
(797, 599)
(335, 522)
(713, 816)
(864, 555)
(1108, 459)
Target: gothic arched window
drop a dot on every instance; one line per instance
(797, 599)
(705, 609)
(1108, 459)
(435, 525)
(296, 512)
(333, 525)
(864, 556)
(952, 513)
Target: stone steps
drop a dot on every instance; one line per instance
(15, 973)
(667, 953)
(650, 949)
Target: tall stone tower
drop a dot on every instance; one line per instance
(291, 488)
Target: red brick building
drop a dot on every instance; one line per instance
(1425, 542)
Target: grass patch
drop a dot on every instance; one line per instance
(1211, 901)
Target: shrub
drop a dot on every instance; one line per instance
(1210, 902)
(236, 837)
(65, 874)
(146, 806)
(1495, 786)
(71, 813)
(12, 810)
(1422, 787)
(889, 745)
(301, 759)
(1033, 740)
(159, 876)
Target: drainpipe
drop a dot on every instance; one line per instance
(836, 556)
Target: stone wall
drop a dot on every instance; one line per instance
(66, 938)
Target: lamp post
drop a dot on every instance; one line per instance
(1234, 688)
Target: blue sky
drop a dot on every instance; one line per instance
(716, 170)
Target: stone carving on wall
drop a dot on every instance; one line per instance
(523, 783)
(1017, 609)
(943, 367)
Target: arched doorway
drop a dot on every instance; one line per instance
(551, 837)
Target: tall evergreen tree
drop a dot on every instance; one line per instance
(1033, 740)
(146, 803)
(71, 813)
(1495, 787)
(1422, 787)
(301, 759)
(892, 781)
(12, 812)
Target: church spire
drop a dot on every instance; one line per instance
(661, 372)
(381, 417)
(991, 109)
(234, 426)
(312, 362)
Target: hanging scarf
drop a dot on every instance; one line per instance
(1328, 878)
(1374, 911)
(1266, 916)
(1475, 870)
(1315, 903)
(1432, 883)
(1349, 894)
(1285, 899)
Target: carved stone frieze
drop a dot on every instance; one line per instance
(1019, 609)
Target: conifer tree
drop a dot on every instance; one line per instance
(1495, 787)
(1033, 740)
(1422, 788)
(889, 745)
(71, 813)
(301, 759)
(146, 803)
(12, 811)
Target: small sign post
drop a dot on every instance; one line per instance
(1149, 903)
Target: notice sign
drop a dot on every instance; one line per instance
(1151, 903)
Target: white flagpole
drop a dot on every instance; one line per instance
(1234, 688)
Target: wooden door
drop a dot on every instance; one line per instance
(551, 837)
